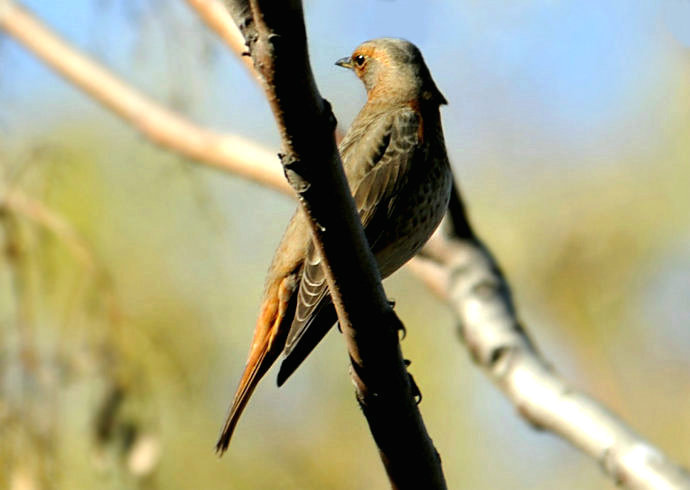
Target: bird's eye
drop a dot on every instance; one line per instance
(359, 60)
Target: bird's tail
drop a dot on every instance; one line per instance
(268, 342)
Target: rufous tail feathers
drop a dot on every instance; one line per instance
(269, 339)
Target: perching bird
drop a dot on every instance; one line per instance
(395, 161)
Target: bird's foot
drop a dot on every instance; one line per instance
(416, 393)
(401, 327)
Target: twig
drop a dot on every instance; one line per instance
(18, 202)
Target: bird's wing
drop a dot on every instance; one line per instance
(388, 149)
(375, 196)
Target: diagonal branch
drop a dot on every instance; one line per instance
(276, 36)
(153, 120)
(462, 271)
(216, 16)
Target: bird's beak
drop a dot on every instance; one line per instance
(345, 62)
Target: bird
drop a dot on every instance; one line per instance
(395, 160)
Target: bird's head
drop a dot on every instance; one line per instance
(393, 70)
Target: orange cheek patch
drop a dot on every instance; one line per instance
(371, 52)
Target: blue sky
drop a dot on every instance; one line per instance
(572, 73)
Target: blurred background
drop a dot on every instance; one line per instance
(130, 277)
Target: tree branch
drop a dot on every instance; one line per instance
(154, 121)
(454, 265)
(217, 18)
(462, 271)
(276, 36)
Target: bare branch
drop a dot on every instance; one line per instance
(461, 270)
(217, 17)
(276, 36)
(154, 121)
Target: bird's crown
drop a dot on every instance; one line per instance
(393, 70)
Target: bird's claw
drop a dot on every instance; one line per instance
(400, 327)
(416, 394)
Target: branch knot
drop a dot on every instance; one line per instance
(295, 170)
